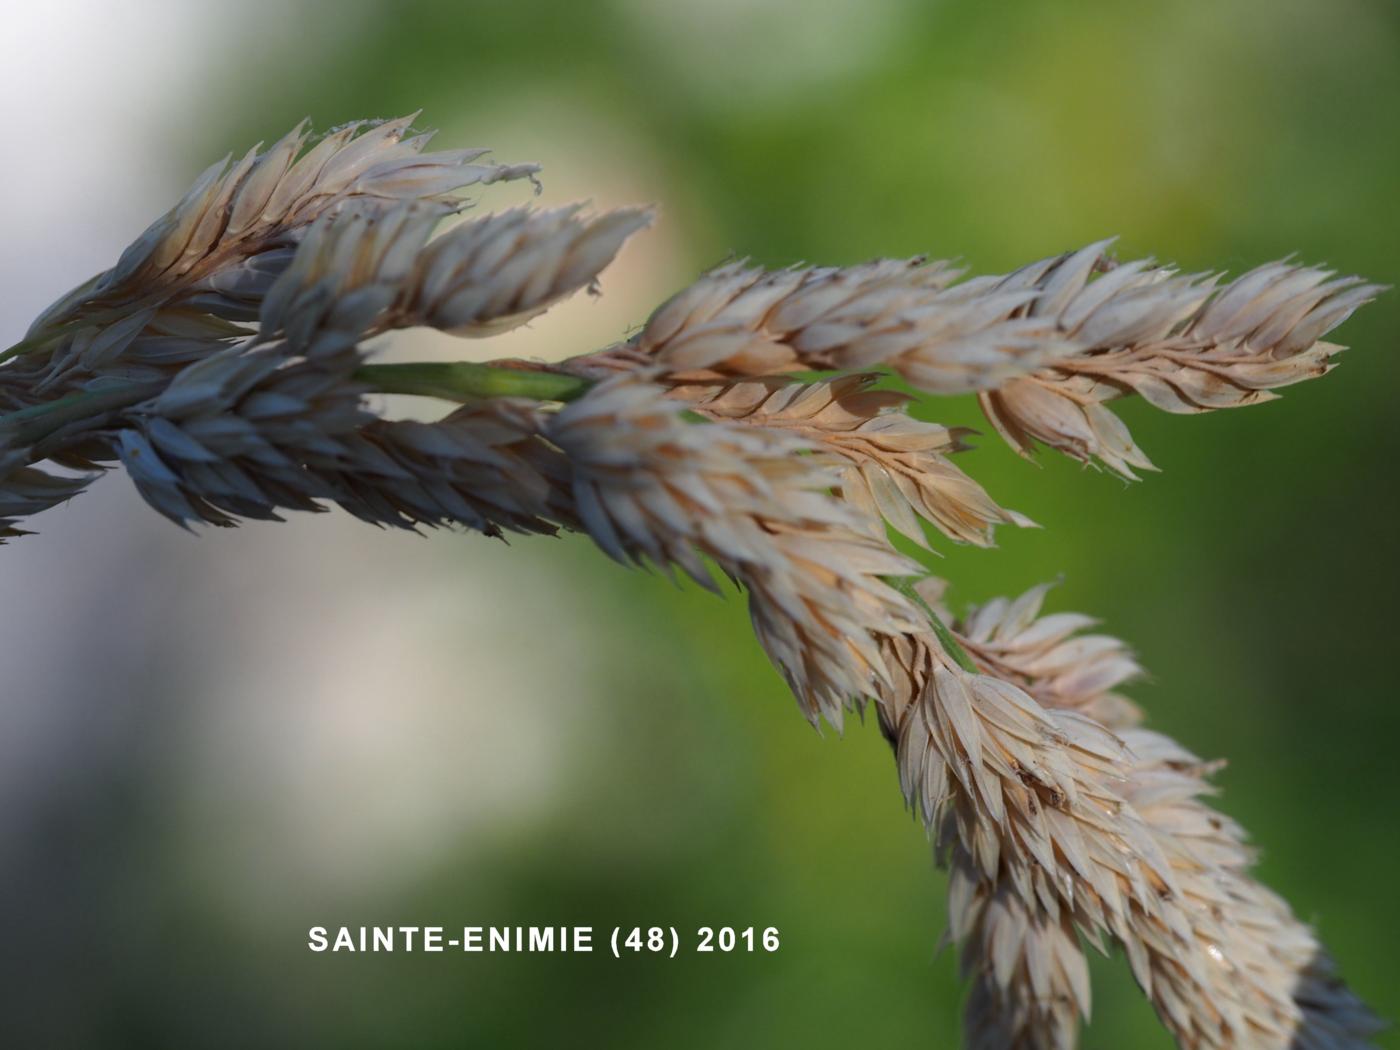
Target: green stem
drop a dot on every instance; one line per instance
(465, 381)
(43, 339)
(39, 421)
(945, 637)
(455, 381)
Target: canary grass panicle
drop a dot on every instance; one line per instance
(1271, 984)
(893, 466)
(246, 434)
(493, 274)
(264, 202)
(206, 264)
(650, 485)
(222, 360)
(941, 337)
(1029, 977)
(1036, 801)
(25, 490)
(357, 275)
(1051, 658)
(1181, 343)
(1270, 970)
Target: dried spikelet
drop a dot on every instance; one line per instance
(496, 273)
(1270, 969)
(235, 213)
(648, 485)
(1004, 730)
(1182, 344)
(486, 466)
(1033, 799)
(347, 272)
(25, 490)
(202, 269)
(1270, 984)
(230, 436)
(893, 466)
(1051, 659)
(941, 337)
(357, 275)
(1030, 979)
(245, 434)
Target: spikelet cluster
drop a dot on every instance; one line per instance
(1178, 340)
(245, 434)
(650, 485)
(893, 467)
(909, 315)
(746, 432)
(1265, 981)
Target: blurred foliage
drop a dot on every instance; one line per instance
(1255, 576)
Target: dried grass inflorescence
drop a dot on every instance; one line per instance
(223, 362)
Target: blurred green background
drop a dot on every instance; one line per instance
(1255, 575)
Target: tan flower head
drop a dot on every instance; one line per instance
(941, 337)
(1180, 342)
(892, 466)
(651, 485)
(223, 362)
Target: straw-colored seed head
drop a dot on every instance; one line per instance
(347, 272)
(892, 466)
(199, 274)
(650, 485)
(247, 435)
(357, 275)
(496, 273)
(222, 361)
(263, 202)
(1052, 659)
(1180, 342)
(1266, 982)
(941, 337)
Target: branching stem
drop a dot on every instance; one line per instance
(452, 381)
(466, 381)
(945, 637)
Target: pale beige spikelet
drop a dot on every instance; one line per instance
(893, 466)
(1268, 962)
(1180, 342)
(1270, 984)
(246, 434)
(1035, 799)
(1029, 977)
(356, 275)
(237, 211)
(197, 276)
(496, 273)
(941, 337)
(650, 485)
(1051, 658)
(347, 272)
(222, 361)
(1032, 795)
